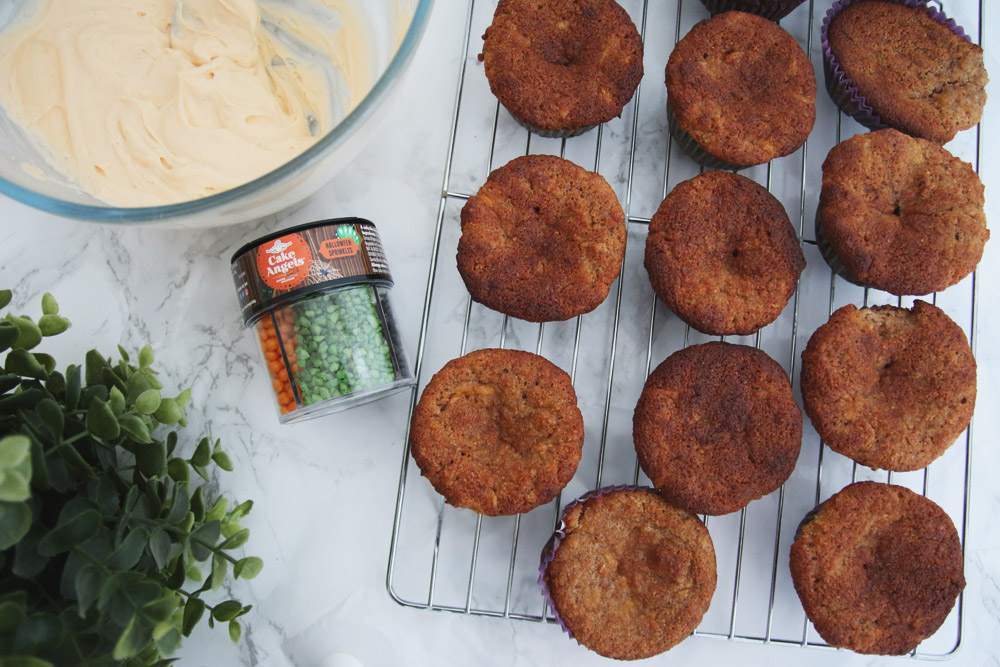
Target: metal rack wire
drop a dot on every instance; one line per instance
(447, 559)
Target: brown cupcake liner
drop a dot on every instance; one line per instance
(806, 520)
(831, 258)
(552, 134)
(693, 149)
(549, 551)
(770, 10)
(841, 87)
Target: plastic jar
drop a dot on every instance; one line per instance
(318, 297)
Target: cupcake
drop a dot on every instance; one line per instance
(740, 91)
(903, 64)
(877, 568)
(900, 214)
(561, 67)
(889, 387)
(498, 431)
(542, 240)
(722, 254)
(716, 427)
(769, 9)
(628, 575)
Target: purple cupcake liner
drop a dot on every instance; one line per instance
(769, 9)
(550, 548)
(831, 258)
(841, 87)
(693, 149)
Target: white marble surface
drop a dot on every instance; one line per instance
(325, 490)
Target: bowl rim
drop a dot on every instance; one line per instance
(117, 215)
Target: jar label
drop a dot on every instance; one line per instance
(283, 267)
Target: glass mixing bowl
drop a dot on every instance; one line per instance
(396, 26)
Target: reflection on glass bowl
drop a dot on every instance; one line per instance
(395, 29)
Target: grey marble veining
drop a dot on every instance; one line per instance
(325, 490)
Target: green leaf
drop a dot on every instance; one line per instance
(198, 504)
(152, 459)
(222, 460)
(55, 384)
(218, 576)
(129, 551)
(248, 568)
(88, 583)
(178, 575)
(24, 661)
(135, 428)
(52, 325)
(116, 401)
(69, 455)
(218, 510)
(193, 611)
(47, 361)
(178, 470)
(145, 357)
(52, 414)
(236, 541)
(15, 486)
(101, 421)
(8, 335)
(148, 402)
(136, 635)
(29, 335)
(159, 547)
(137, 385)
(226, 611)
(161, 609)
(12, 613)
(204, 539)
(241, 510)
(14, 451)
(15, 521)
(202, 454)
(168, 412)
(183, 397)
(94, 366)
(27, 561)
(5, 296)
(49, 304)
(168, 643)
(181, 503)
(24, 363)
(69, 533)
(73, 387)
(235, 631)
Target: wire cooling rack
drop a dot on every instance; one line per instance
(448, 559)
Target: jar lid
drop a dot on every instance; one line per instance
(285, 266)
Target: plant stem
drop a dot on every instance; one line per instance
(186, 533)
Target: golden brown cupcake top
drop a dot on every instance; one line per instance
(498, 431)
(716, 426)
(917, 74)
(722, 254)
(902, 214)
(633, 576)
(889, 387)
(743, 88)
(542, 240)
(877, 568)
(562, 64)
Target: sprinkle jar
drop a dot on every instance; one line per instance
(318, 297)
